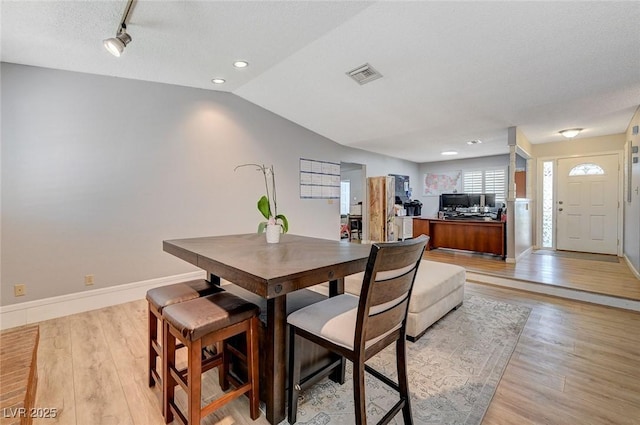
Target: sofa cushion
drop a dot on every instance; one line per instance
(433, 282)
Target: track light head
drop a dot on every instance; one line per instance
(116, 45)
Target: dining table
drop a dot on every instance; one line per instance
(271, 271)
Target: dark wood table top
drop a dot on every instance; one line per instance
(271, 270)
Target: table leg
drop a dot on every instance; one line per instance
(336, 287)
(214, 279)
(276, 364)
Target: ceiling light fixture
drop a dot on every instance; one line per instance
(448, 153)
(241, 64)
(570, 133)
(116, 45)
(218, 81)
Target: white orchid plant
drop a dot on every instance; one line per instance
(267, 204)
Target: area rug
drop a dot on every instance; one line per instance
(454, 370)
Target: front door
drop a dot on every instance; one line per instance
(587, 207)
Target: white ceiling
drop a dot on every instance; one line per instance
(452, 71)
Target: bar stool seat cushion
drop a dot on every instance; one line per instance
(201, 316)
(163, 296)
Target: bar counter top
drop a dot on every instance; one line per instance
(468, 233)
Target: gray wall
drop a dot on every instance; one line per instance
(97, 171)
(431, 203)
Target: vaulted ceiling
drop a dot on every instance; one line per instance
(451, 71)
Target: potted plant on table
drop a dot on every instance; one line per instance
(268, 207)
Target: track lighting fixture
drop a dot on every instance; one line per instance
(116, 45)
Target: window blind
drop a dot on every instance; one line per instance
(486, 181)
(472, 182)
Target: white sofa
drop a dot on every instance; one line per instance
(438, 289)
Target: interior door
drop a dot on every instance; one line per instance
(587, 206)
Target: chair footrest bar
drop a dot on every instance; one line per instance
(237, 353)
(234, 381)
(180, 377)
(212, 362)
(318, 374)
(156, 377)
(215, 405)
(381, 377)
(392, 413)
(156, 347)
(177, 413)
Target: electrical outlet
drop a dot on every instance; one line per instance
(19, 290)
(88, 280)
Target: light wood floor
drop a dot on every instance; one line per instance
(575, 363)
(600, 277)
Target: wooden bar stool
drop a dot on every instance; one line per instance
(205, 321)
(158, 299)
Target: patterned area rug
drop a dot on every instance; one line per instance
(454, 370)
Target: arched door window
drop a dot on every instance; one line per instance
(587, 169)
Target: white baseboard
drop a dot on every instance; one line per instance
(524, 253)
(631, 267)
(519, 257)
(49, 308)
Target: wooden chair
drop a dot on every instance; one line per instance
(206, 321)
(355, 227)
(345, 230)
(358, 328)
(159, 298)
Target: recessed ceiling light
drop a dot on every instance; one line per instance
(218, 81)
(474, 142)
(570, 132)
(447, 153)
(241, 64)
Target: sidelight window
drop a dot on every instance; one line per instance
(547, 204)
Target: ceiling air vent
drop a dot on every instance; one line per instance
(364, 74)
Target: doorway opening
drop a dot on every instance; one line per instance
(352, 201)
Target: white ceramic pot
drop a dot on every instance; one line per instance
(273, 233)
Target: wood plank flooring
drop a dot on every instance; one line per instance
(575, 363)
(599, 277)
(18, 373)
